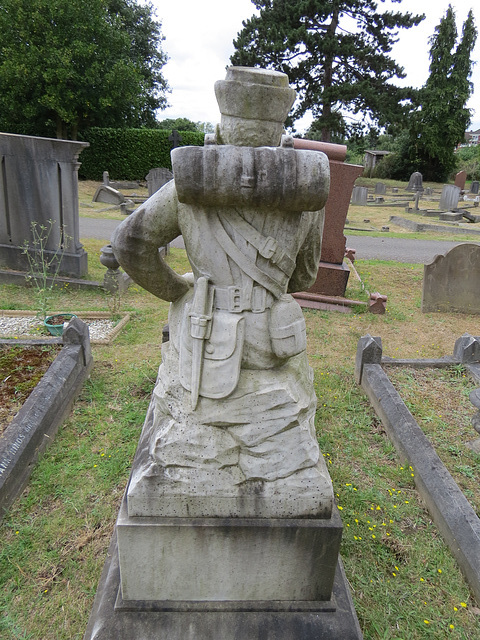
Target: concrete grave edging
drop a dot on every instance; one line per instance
(36, 424)
(411, 225)
(452, 513)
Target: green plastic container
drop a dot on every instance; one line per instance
(55, 328)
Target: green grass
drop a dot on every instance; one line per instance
(404, 581)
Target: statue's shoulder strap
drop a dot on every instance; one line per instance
(267, 246)
(276, 286)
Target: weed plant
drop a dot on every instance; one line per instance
(44, 264)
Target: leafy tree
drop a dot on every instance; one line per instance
(442, 119)
(184, 124)
(180, 124)
(205, 127)
(145, 38)
(468, 159)
(65, 66)
(335, 54)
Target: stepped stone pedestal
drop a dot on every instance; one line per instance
(171, 578)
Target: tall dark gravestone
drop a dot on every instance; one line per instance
(39, 184)
(333, 273)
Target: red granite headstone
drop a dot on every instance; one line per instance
(460, 179)
(333, 274)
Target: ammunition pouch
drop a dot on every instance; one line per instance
(222, 354)
(288, 332)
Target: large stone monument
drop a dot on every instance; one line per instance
(39, 184)
(228, 528)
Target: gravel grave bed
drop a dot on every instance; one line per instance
(32, 327)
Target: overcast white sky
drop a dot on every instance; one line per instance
(199, 34)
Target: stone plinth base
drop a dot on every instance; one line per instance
(74, 265)
(227, 559)
(331, 279)
(334, 619)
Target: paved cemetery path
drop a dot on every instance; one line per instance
(102, 229)
(367, 248)
(399, 249)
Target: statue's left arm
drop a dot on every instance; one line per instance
(308, 257)
(137, 240)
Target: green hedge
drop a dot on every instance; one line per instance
(129, 154)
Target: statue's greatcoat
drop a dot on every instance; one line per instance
(251, 219)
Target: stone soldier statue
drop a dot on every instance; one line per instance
(231, 428)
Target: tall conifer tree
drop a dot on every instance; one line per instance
(442, 118)
(336, 54)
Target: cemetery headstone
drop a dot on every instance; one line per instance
(467, 349)
(460, 179)
(156, 178)
(417, 199)
(474, 186)
(450, 197)
(416, 182)
(380, 188)
(38, 184)
(333, 272)
(359, 195)
(109, 195)
(450, 216)
(124, 184)
(451, 281)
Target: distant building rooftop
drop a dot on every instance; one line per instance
(472, 138)
(374, 152)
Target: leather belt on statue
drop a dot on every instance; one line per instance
(238, 299)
